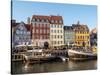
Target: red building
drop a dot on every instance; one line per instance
(40, 30)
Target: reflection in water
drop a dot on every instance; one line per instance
(18, 67)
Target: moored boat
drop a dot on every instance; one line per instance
(81, 55)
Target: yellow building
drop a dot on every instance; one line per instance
(82, 37)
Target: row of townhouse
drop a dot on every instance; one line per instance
(47, 29)
(77, 34)
(50, 30)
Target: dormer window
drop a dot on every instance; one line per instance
(46, 20)
(33, 20)
(17, 32)
(52, 21)
(42, 20)
(38, 20)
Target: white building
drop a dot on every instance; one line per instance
(56, 31)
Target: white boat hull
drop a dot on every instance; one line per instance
(79, 55)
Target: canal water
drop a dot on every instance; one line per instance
(19, 68)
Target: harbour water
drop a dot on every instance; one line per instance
(19, 68)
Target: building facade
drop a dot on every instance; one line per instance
(47, 29)
(69, 35)
(56, 31)
(82, 36)
(22, 34)
(40, 30)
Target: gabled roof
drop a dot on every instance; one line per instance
(80, 27)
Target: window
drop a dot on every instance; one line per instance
(38, 20)
(46, 20)
(60, 26)
(52, 21)
(25, 32)
(58, 36)
(61, 42)
(42, 20)
(55, 36)
(28, 33)
(58, 42)
(40, 30)
(58, 31)
(87, 37)
(17, 31)
(44, 31)
(52, 31)
(60, 21)
(57, 26)
(56, 21)
(33, 20)
(61, 36)
(17, 38)
(42, 25)
(51, 26)
(54, 26)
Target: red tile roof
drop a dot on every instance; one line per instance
(50, 18)
(40, 17)
(56, 18)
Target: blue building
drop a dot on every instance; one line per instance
(69, 35)
(21, 34)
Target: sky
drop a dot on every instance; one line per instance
(71, 13)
